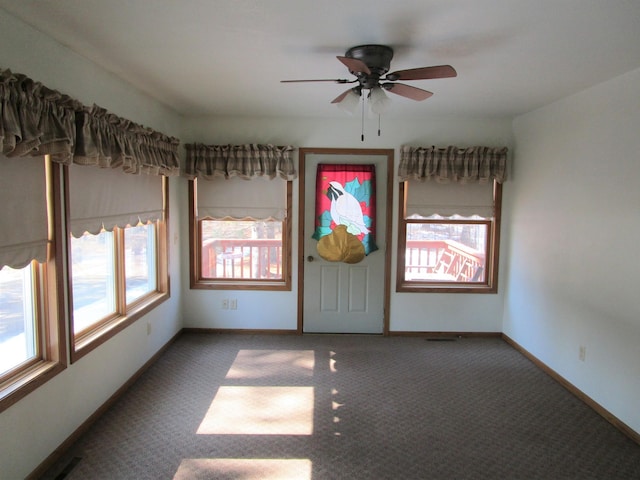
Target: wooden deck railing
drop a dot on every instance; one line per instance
(242, 259)
(445, 260)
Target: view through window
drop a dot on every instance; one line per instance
(92, 279)
(140, 264)
(447, 252)
(96, 272)
(18, 329)
(241, 249)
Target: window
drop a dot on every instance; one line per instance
(32, 335)
(117, 251)
(19, 339)
(241, 233)
(140, 261)
(448, 237)
(92, 279)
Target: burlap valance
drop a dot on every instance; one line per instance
(453, 164)
(106, 140)
(245, 161)
(35, 120)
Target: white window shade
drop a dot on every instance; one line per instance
(23, 216)
(259, 199)
(425, 199)
(105, 198)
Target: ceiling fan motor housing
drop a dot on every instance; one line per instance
(376, 57)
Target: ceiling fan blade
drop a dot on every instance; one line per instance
(341, 97)
(407, 91)
(424, 73)
(338, 80)
(354, 65)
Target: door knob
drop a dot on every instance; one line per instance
(310, 258)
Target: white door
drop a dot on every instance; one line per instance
(340, 297)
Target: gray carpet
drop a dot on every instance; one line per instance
(348, 407)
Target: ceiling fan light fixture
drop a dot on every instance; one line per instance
(350, 102)
(379, 101)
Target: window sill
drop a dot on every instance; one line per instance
(444, 288)
(19, 386)
(87, 342)
(241, 285)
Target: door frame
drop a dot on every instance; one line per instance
(389, 153)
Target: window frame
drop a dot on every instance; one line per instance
(125, 315)
(490, 284)
(198, 282)
(49, 307)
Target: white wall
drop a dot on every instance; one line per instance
(409, 311)
(32, 428)
(574, 221)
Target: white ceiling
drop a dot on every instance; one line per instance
(227, 57)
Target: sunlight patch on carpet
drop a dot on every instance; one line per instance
(246, 469)
(268, 363)
(240, 410)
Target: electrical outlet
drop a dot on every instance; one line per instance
(234, 304)
(582, 353)
(225, 304)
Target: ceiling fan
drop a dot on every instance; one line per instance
(370, 64)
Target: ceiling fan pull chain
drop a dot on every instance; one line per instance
(362, 131)
(379, 117)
